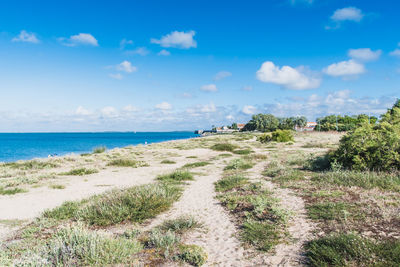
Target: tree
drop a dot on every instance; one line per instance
(234, 126)
(263, 123)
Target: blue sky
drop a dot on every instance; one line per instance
(184, 65)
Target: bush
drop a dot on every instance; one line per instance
(277, 136)
(239, 164)
(196, 164)
(176, 176)
(180, 225)
(11, 191)
(192, 254)
(375, 148)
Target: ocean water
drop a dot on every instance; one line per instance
(24, 146)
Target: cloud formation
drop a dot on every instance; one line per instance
(26, 37)
(126, 66)
(348, 14)
(249, 110)
(209, 88)
(176, 39)
(222, 75)
(344, 68)
(286, 76)
(364, 54)
(164, 53)
(80, 39)
(141, 51)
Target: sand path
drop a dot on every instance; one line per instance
(218, 236)
(300, 227)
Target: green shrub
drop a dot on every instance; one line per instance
(192, 254)
(127, 163)
(224, 147)
(263, 235)
(243, 151)
(352, 250)
(277, 136)
(230, 182)
(80, 172)
(31, 164)
(329, 210)
(375, 148)
(98, 150)
(163, 240)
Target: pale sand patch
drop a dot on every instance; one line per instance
(31, 204)
(218, 237)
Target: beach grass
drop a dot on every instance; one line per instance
(80, 172)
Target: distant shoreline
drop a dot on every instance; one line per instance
(29, 146)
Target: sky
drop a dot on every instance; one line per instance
(167, 65)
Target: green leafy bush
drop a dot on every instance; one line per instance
(277, 136)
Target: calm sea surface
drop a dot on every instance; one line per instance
(22, 146)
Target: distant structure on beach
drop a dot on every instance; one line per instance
(235, 127)
(310, 126)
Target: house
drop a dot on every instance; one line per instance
(240, 126)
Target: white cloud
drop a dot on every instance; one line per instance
(117, 76)
(347, 13)
(209, 88)
(164, 53)
(82, 111)
(209, 108)
(164, 106)
(80, 39)
(364, 54)
(126, 66)
(27, 37)
(247, 88)
(286, 76)
(230, 117)
(395, 53)
(109, 112)
(142, 51)
(222, 75)
(183, 40)
(344, 68)
(249, 110)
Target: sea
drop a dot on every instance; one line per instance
(26, 146)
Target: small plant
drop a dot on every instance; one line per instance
(239, 164)
(163, 240)
(224, 147)
(192, 254)
(11, 191)
(176, 176)
(196, 164)
(98, 150)
(243, 151)
(31, 165)
(180, 225)
(57, 186)
(230, 182)
(167, 161)
(80, 172)
(127, 163)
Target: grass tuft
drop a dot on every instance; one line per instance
(239, 164)
(127, 163)
(230, 182)
(167, 161)
(224, 147)
(196, 164)
(11, 191)
(98, 150)
(80, 172)
(176, 176)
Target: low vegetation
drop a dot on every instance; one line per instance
(127, 163)
(176, 176)
(80, 172)
(134, 204)
(239, 164)
(98, 150)
(11, 191)
(31, 165)
(168, 161)
(224, 147)
(277, 136)
(196, 164)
